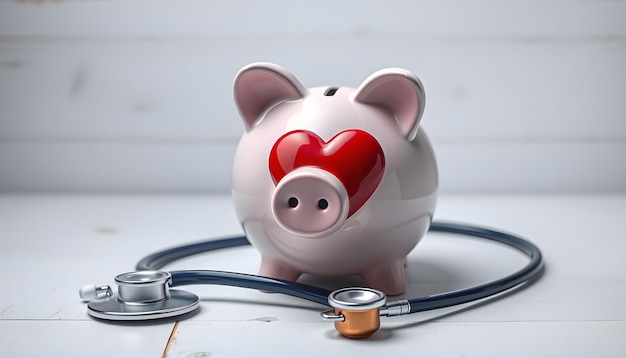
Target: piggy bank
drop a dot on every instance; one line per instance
(333, 181)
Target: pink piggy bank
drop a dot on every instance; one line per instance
(333, 180)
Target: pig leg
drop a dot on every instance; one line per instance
(278, 269)
(388, 277)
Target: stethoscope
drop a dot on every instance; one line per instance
(145, 294)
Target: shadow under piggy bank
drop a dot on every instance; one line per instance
(424, 278)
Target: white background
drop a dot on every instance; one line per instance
(136, 96)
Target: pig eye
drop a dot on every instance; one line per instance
(322, 204)
(293, 202)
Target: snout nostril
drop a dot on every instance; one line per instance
(322, 204)
(293, 202)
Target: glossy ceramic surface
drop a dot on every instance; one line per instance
(333, 181)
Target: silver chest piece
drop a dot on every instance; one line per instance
(141, 295)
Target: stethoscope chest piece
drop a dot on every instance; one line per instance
(143, 295)
(356, 311)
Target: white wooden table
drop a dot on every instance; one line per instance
(52, 245)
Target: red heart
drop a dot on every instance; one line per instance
(354, 156)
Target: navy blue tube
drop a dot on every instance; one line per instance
(210, 277)
(161, 258)
(531, 271)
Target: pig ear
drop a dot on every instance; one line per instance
(259, 86)
(398, 91)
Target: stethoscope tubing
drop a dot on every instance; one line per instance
(531, 271)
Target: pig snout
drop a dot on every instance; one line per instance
(321, 183)
(310, 202)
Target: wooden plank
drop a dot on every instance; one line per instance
(81, 339)
(492, 19)
(202, 167)
(80, 240)
(430, 339)
(84, 239)
(575, 310)
(183, 91)
(158, 74)
(126, 167)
